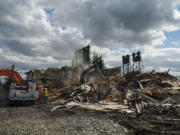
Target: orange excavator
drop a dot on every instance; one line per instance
(20, 90)
(13, 75)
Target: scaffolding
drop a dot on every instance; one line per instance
(126, 64)
(132, 63)
(137, 61)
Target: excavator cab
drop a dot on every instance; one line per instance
(23, 93)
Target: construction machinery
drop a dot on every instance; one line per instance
(82, 77)
(20, 90)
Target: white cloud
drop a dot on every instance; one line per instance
(28, 38)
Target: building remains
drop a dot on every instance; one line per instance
(81, 57)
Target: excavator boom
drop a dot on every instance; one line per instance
(13, 75)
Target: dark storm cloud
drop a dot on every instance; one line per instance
(18, 47)
(140, 15)
(137, 16)
(125, 23)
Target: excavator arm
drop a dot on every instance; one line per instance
(82, 79)
(13, 75)
(97, 70)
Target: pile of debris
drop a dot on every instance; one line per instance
(137, 92)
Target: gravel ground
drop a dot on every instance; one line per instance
(38, 120)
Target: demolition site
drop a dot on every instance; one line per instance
(88, 98)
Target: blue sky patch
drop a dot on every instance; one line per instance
(173, 36)
(178, 7)
(113, 49)
(173, 40)
(49, 10)
(63, 27)
(136, 50)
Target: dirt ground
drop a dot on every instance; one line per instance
(78, 120)
(38, 120)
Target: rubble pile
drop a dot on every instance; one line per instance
(146, 103)
(138, 92)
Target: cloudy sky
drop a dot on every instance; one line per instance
(44, 33)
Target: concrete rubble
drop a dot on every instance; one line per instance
(152, 97)
(151, 88)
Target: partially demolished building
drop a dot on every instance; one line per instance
(81, 57)
(60, 77)
(54, 77)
